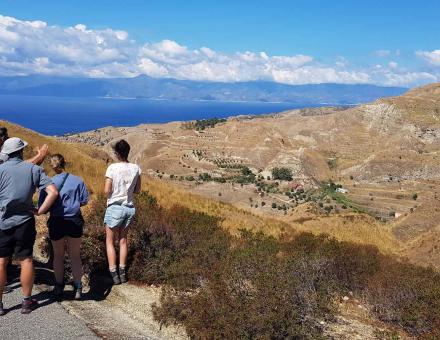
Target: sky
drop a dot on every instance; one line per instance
(392, 43)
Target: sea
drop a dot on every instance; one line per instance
(62, 115)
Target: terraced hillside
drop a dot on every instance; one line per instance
(385, 154)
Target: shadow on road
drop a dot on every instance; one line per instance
(100, 284)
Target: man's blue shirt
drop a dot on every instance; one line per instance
(18, 182)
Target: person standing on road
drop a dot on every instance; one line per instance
(66, 223)
(122, 181)
(18, 182)
(37, 159)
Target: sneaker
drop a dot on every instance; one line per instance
(7, 290)
(2, 310)
(58, 290)
(122, 275)
(28, 306)
(115, 277)
(78, 292)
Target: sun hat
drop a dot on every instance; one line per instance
(12, 145)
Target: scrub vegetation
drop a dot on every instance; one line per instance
(258, 285)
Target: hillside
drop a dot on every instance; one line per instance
(373, 150)
(90, 163)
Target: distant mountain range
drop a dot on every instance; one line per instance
(174, 89)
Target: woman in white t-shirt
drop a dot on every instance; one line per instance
(122, 181)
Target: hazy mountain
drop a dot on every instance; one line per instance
(168, 88)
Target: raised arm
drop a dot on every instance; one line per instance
(40, 156)
(52, 194)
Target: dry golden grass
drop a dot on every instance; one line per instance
(356, 228)
(357, 231)
(233, 217)
(351, 227)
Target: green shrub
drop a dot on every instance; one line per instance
(205, 177)
(284, 174)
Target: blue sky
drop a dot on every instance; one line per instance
(384, 42)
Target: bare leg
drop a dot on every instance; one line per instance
(59, 248)
(3, 274)
(123, 246)
(110, 246)
(27, 276)
(74, 247)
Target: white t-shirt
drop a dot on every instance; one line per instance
(124, 178)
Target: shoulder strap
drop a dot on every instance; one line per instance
(62, 183)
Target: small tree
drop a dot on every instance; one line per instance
(284, 174)
(245, 171)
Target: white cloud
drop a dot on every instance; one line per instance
(149, 67)
(393, 64)
(392, 76)
(28, 47)
(382, 53)
(432, 57)
(73, 50)
(341, 62)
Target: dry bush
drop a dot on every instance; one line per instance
(174, 245)
(252, 293)
(408, 296)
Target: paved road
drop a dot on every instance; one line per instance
(49, 321)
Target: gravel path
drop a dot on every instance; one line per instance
(49, 321)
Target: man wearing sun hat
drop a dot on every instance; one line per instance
(18, 182)
(37, 159)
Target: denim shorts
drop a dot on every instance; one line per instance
(119, 216)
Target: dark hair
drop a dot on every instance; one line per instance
(16, 154)
(122, 148)
(3, 133)
(58, 161)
